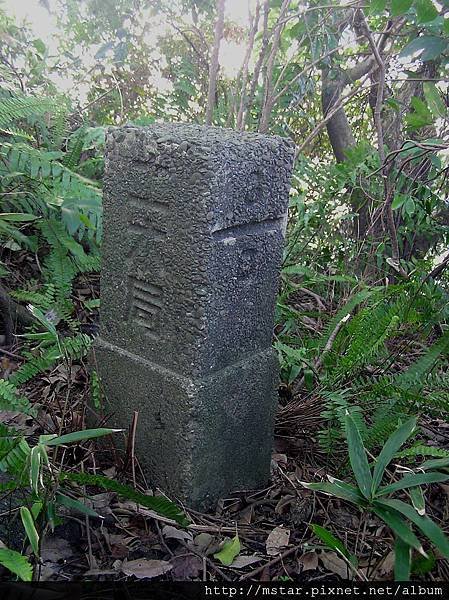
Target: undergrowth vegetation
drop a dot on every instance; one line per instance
(362, 317)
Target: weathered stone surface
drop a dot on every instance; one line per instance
(194, 221)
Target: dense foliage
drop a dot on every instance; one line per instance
(362, 315)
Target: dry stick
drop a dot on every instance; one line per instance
(191, 44)
(213, 67)
(272, 562)
(326, 349)
(10, 354)
(89, 104)
(133, 445)
(122, 108)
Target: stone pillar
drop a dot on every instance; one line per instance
(193, 236)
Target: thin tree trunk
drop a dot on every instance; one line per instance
(252, 92)
(249, 49)
(269, 84)
(213, 67)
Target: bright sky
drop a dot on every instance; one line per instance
(44, 26)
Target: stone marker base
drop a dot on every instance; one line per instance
(187, 429)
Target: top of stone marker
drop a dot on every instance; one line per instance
(207, 139)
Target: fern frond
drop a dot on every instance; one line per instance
(16, 108)
(73, 156)
(10, 400)
(424, 365)
(421, 451)
(159, 504)
(14, 452)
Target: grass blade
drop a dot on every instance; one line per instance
(77, 505)
(392, 445)
(410, 481)
(429, 528)
(30, 529)
(79, 436)
(333, 543)
(358, 457)
(333, 489)
(417, 497)
(402, 560)
(398, 526)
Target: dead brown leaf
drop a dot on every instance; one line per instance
(242, 561)
(168, 531)
(308, 561)
(204, 544)
(247, 515)
(333, 563)
(55, 549)
(186, 566)
(386, 566)
(283, 505)
(146, 569)
(277, 540)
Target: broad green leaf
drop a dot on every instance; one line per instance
(434, 99)
(416, 121)
(417, 497)
(332, 489)
(421, 108)
(429, 528)
(76, 505)
(333, 542)
(36, 509)
(308, 379)
(348, 488)
(30, 529)
(78, 436)
(428, 47)
(229, 551)
(398, 526)
(358, 457)
(435, 463)
(16, 563)
(412, 480)
(425, 11)
(17, 217)
(410, 207)
(398, 201)
(402, 560)
(44, 439)
(40, 46)
(399, 7)
(392, 445)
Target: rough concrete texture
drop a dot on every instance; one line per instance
(194, 221)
